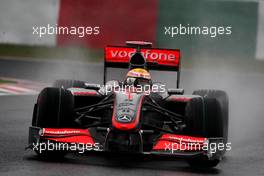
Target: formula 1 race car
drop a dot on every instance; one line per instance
(135, 115)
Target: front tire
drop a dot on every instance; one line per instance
(216, 107)
(207, 116)
(54, 109)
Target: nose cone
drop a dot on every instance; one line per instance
(126, 113)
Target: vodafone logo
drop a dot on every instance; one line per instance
(148, 54)
(121, 53)
(162, 56)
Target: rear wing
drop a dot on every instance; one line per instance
(156, 59)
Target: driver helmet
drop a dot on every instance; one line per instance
(138, 76)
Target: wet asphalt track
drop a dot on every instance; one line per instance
(246, 94)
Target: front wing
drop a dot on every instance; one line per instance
(81, 140)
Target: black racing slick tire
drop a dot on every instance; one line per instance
(69, 83)
(207, 116)
(54, 109)
(217, 111)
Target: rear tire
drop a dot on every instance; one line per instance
(69, 83)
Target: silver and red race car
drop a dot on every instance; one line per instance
(135, 116)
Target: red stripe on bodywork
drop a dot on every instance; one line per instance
(84, 93)
(179, 142)
(69, 135)
(178, 98)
